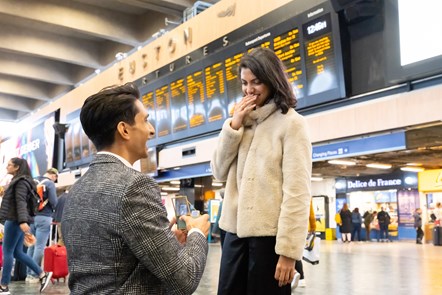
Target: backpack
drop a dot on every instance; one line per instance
(42, 194)
(33, 197)
(382, 217)
(338, 218)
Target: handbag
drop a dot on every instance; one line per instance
(311, 251)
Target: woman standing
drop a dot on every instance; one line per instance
(356, 220)
(418, 225)
(18, 215)
(346, 224)
(264, 155)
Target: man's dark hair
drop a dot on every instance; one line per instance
(23, 167)
(269, 69)
(102, 112)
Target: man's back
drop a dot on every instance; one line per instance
(117, 236)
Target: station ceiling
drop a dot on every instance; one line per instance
(48, 47)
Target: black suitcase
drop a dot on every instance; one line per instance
(437, 236)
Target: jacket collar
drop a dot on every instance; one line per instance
(260, 114)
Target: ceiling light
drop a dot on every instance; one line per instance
(175, 182)
(378, 166)
(217, 184)
(414, 164)
(170, 189)
(315, 178)
(412, 169)
(342, 162)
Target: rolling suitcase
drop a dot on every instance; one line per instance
(437, 236)
(56, 260)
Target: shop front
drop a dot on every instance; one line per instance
(430, 185)
(395, 193)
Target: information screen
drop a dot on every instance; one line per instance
(179, 107)
(320, 56)
(163, 111)
(149, 104)
(215, 92)
(288, 49)
(195, 95)
(233, 83)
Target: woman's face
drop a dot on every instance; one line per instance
(11, 168)
(253, 86)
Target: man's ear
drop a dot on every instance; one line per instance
(122, 130)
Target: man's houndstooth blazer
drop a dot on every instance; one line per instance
(117, 237)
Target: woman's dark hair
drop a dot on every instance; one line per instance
(268, 68)
(23, 167)
(102, 112)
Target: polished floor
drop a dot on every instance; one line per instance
(356, 268)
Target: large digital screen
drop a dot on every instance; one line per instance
(179, 107)
(35, 145)
(79, 150)
(412, 35)
(196, 98)
(162, 98)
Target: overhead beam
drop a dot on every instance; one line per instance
(8, 115)
(25, 87)
(40, 69)
(103, 23)
(16, 103)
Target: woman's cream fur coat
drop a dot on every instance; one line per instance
(267, 167)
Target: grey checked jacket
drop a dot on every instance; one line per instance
(117, 237)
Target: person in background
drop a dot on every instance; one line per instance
(418, 225)
(311, 230)
(356, 220)
(58, 214)
(41, 228)
(438, 214)
(368, 219)
(2, 193)
(222, 233)
(18, 215)
(267, 198)
(383, 220)
(346, 224)
(114, 224)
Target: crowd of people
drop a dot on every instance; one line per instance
(350, 224)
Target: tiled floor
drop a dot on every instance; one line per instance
(356, 268)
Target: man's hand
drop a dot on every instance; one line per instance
(201, 222)
(181, 235)
(285, 270)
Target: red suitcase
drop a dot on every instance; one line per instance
(56, 260)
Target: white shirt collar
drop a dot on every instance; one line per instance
(125, 162)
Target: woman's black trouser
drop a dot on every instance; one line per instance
(248, 267)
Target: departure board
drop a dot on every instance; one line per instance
(179, 107)
(163, 111)
(287, 48)
(215, 92)
(195, 96)
(233, 82)
(149, 104)
(320, 63)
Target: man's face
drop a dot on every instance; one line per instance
(140, 133)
